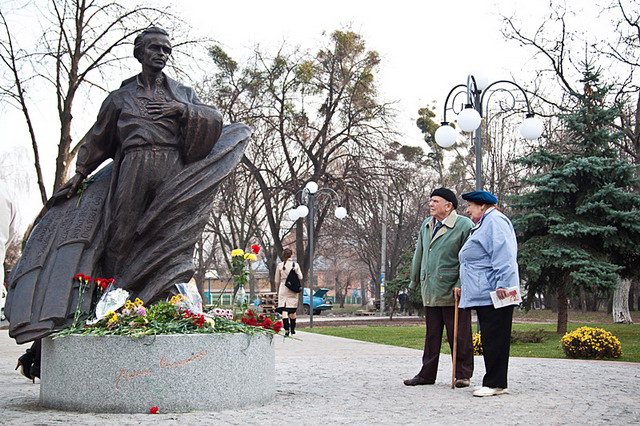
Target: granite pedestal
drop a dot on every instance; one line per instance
(176, 373)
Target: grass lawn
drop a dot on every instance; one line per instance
(413, 337)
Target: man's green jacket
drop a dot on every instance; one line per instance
(435, 262)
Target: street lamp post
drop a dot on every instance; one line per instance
(470, 117)
(307, 208)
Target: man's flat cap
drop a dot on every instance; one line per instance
(447, 194)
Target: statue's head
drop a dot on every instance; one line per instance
(154, 41)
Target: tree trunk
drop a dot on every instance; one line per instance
(583, 300)
(563, 316)
(551, 301)
(620, 309)
(363, 292)
(393, 304)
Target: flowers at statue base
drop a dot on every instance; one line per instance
(102, 284)
(260, 320)
(240, 271)
(477, 344)
(589, 342)
(153, 410)
(239, 260)
(117, 315)
(224, 313)
(83, 281)
(198, 319)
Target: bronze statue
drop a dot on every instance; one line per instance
(140, 217)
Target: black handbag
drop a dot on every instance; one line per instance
(293, 282)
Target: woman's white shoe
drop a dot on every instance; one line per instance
(485, 391)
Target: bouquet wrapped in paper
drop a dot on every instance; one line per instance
(112, 299)
(192, 299)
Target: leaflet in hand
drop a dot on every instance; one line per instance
(513, 297)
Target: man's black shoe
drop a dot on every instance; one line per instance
(418, 381)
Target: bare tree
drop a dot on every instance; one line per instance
(408, 180)
(316, 117)
(81, 43)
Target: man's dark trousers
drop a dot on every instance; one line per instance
(438, 318)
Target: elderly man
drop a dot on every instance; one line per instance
(436, 269)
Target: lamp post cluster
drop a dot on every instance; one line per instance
(470, 117)
(306, 207)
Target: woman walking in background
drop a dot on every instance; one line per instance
(488, 262)
(287, 299)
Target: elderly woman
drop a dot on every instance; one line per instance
(488, 262)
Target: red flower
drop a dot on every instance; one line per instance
(79, 277)
(267, 323)
(111, 281)
(255, 248)
(277, 326)
(252, 321)
(249, 313)
(153, 410)
(102, 283)
(261, 317)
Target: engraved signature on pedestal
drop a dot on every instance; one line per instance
(126, 374)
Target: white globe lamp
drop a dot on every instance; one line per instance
(341, 212)
(482, 81)
(312, 187)
(469, 119)
(531, 128)
(446, 135)
(293, 214)
(302, 210)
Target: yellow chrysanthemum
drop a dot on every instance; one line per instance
(237, 252)
(587, 342)
(177, 299)
(250, 256)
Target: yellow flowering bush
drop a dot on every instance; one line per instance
(477, 344)
(589, 342)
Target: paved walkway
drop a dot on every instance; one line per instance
(329, 380)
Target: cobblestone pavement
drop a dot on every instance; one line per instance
(328, 380)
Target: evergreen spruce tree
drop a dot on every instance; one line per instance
(579, 226)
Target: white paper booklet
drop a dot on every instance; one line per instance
(513, 298)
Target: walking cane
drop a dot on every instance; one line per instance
(455, 345)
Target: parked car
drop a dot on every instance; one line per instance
(319, 302)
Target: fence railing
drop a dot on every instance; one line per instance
(226, 299)
(353, 300)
